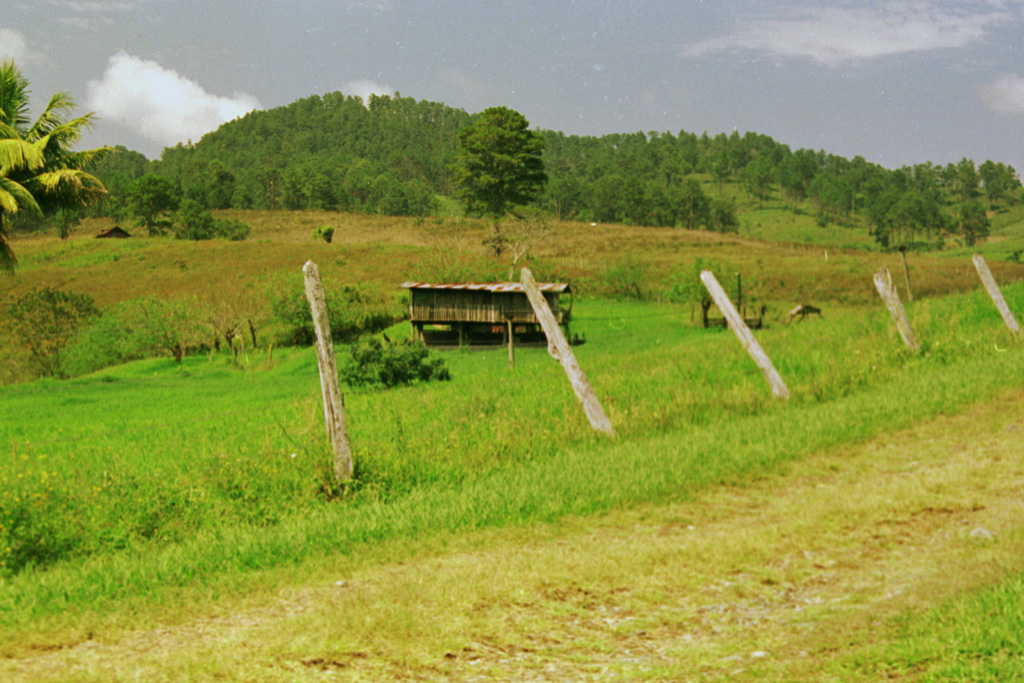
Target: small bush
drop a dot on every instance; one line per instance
(230, 229)
(629, 278)
(47, 320)
(391, 364)
(325, 233)
(196, 223)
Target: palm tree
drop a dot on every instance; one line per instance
(38, 170)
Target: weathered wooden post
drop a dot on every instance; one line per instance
(887, 290)
(559, 347)
(993, 291)
(334, 406)
(511, 348)
(742, 332)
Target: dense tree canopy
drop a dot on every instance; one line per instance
(150, 199)
(499, 166)
(389, 155)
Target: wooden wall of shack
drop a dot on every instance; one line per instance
(446, 306)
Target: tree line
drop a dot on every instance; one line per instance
(683, 180)
(398, 156)
(654, 179)
(395, 155)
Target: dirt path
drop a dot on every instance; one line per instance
(786, 579)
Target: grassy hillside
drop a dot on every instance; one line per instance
(792, 262)
(792, 259)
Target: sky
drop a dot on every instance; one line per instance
(898, 83)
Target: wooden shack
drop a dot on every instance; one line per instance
(485, 314)
(116, 232)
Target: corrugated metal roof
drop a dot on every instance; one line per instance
(558, 287)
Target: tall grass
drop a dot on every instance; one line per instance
(147, 477)
(975, 636)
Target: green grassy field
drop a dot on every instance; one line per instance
(148, 470)
(151, 488)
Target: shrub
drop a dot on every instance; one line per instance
(47, 320)
(391, 364)
(325, 233)
(629, 279)
(351, 309)
(196, 223)
(193, 222)
(230, 229)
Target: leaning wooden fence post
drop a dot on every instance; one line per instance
(993, 291)
(887, 290)
(334, 407)
(742, 332)
(556, 339)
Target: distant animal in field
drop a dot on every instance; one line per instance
(802, 311)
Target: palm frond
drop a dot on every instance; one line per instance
(82, 160)
(63, 136)
(15, 197)
(38, 170)
(8, 131)
(53, 116)
(19, 155)
(65, 188)
(14, 101)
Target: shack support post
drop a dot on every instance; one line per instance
(993, 291)
(511, 347)
(742, 332)
(334, 406)
(558, 346)
(887, 290)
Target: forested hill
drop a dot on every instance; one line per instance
(332, 152)
(394, 155)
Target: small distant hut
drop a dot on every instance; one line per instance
(116, 232)
(481, 314)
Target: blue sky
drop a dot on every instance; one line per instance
(898, 83)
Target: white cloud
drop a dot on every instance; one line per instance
(78, 22)
(364, 88)
(377, 5)
(1005, 95)
(833, 36)
(13, 46)
(94, 5)
(159, 103)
